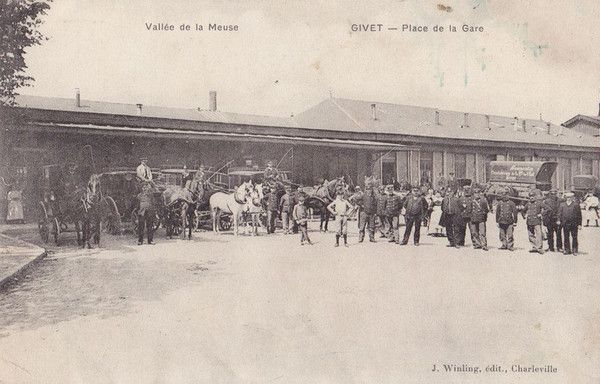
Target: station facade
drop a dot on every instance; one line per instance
(337, 137)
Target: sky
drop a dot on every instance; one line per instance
(534, 57)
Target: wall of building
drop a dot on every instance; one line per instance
(586, 128)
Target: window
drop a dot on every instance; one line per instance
(586, 166)
(460, 165)
(426, 165)
(388, 168)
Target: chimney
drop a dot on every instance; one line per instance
(77, 98)
(466, 123)
(524, 123)
(548, 128)
(437, 117)
(598, 109)
(374, 111)
(487, 122)
(212, 100)
(139, 109)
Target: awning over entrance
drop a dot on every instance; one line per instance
(210, 135)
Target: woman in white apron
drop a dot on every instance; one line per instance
(434, 228)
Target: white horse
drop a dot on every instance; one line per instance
(254, 208)
(233, 203)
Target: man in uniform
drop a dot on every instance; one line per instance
(367, 213)
(506, 218)
(479, 214)
(341, 208)
(415, 208)
(145, 213)
(550, 219)
(272, 207)
(465, 203)
(569, 217)
(451, 211)
(381, 200)
(533, 215)
(285, 209)
(393, 206)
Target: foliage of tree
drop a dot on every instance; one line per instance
(19, 29)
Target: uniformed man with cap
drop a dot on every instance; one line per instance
(506, 219)
(271, 175)
(569, 217)
(533, 214)
(550, 220)
(393, 206)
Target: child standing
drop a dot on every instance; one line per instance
(341, 208)
(300, 216)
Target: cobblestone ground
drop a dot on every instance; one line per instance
(264, 309)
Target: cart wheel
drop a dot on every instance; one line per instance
(43, 223)
(225, 223)
(55, 230)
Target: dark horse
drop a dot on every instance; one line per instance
(180, 206)
(320, 197)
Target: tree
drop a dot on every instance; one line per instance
(19, 24)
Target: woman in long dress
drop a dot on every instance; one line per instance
(434, 228)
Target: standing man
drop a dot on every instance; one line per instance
(550, 220)
(285, 209)
(479, 214)
(415, 208)
(341, 208)
(145, 213)
(393, 206)
(451, 211)
(381, 200)
(143, 170)
(569, 216)
(272, 207)
(533, 214)
(506, 218)
(465, 205)
(369, 212)
(357, 199)
(300, 215)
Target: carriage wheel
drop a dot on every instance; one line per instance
(55, 230)
(112, 221)
(225, 223)
(44, 224)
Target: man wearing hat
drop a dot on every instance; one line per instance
(286, 204)
(393, 206)
(381, 200)
(143, 170)
(550, 219)
(506, 218)
(465, 204)
(533, 215)
(451, 216)
(479, 213)
(415, 208)
(569, 217)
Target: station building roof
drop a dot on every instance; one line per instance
(350, 119)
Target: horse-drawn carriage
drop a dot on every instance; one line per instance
(73, 203)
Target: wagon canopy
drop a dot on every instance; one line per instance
(538, 173)
(584, 182)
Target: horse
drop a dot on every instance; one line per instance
(255, 206)
(90, 212)
(321, 196)
(233, 203)
(180, 206)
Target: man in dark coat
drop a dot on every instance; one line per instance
(550, 219)
(451, 211)
(462, 222)
(286, 204)
(479, 213)
(506, 218)
(381, 200)
(569, 217)
(533, 214)
(145, 213)
(415, 207)
(393, 206)
(272, 207)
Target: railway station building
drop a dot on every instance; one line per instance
(336, 137)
